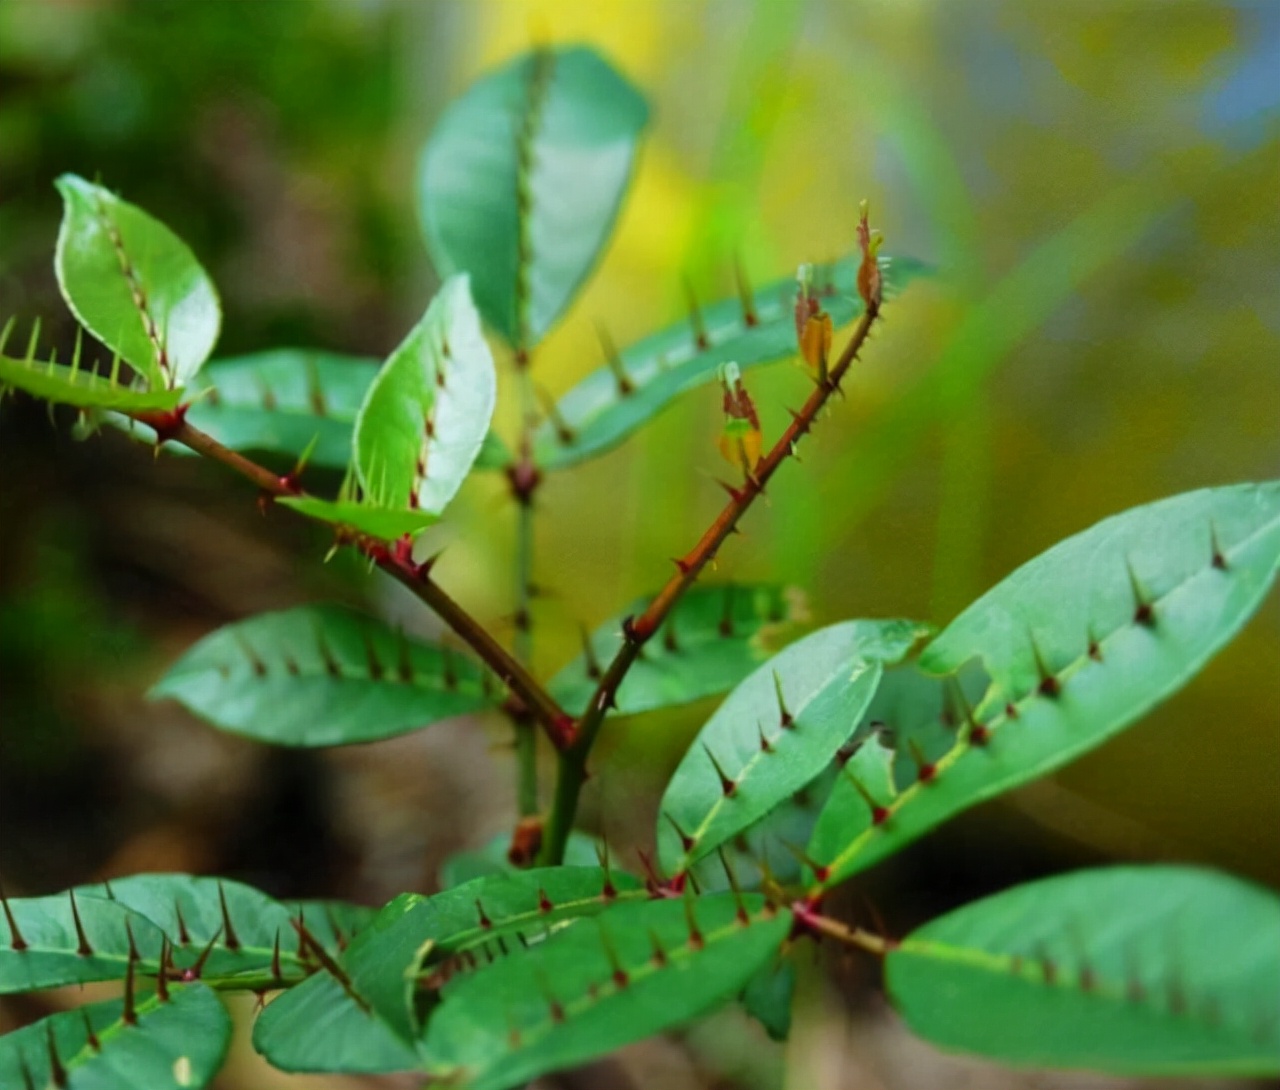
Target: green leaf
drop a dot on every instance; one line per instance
(427, 413)
(239, 935)
(769, 994)
(282, 401)
(134, 284)
(173, 1045)
(613, 401)
(323, 676)
(521, 181)
(1136, 970)
(712, 639)
(413, 933)
(42, 947)
(775, 733)
(384, 523)
(72, 385)
(317, 1026)
(632, 972)
(1081, 641)
(913, 718)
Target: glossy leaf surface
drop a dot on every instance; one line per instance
(634, 971)
(323, 676)
(174, 1045)
(711, 640)
(134, 284)
(427, 412)
(521, 181)
(48, 950)
(1140, 970)
(1081, 641)
(775, 733)
(608, 405)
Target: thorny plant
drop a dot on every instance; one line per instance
(530, 964)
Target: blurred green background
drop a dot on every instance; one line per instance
(1099, 183)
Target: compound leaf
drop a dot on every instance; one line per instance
(1136, 970)
(775, 733)
(521, 181)
(46, 942)
(622, 976)
(323, 676)
(177, 1044)
(427, 412)
(1081, 641)
(613, 401)
(769, 994)
(134, 284)
(711, 640)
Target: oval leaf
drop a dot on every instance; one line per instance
(1138, 970)
(711, 640)
(428, 411)
(775, 733)
(521, 181)
(177, 1044)
(46, 942)
(1081, 641)
(287, 401)
(634, 971)
(612, 402)
(323, 676)
(134, 284)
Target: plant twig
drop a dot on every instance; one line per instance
(810, 919)
(172, 427)
(572, 769)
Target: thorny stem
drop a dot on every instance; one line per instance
(170, 426)
(572, 769)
